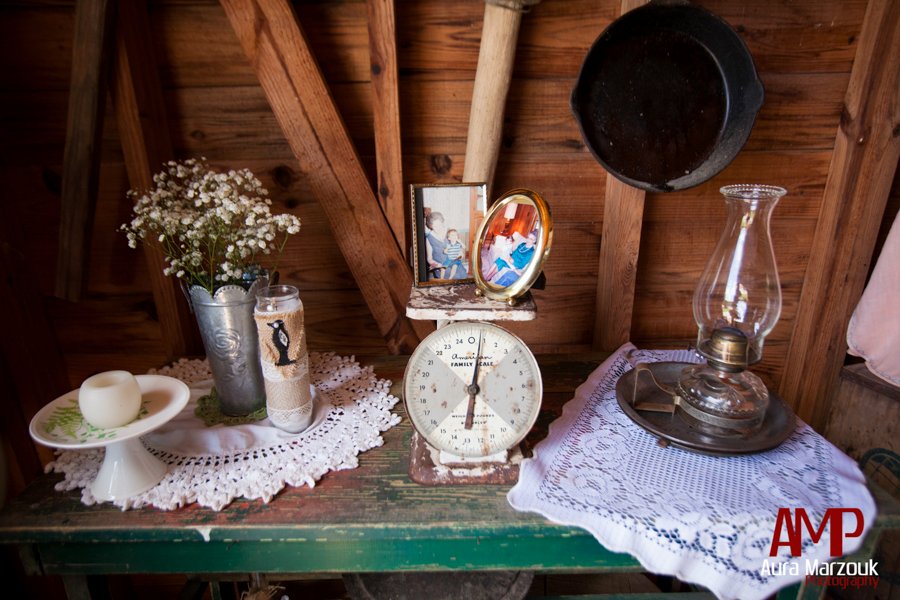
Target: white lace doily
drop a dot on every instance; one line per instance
(704, 519)
(214, 465)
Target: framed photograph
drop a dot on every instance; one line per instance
(445, 218)
(512, 244)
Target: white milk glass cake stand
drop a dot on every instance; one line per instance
(128, 468)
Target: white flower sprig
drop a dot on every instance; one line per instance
(212, 226)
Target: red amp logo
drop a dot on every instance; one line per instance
(833, 516)
(841, 524)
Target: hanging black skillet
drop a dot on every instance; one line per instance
(667, 96)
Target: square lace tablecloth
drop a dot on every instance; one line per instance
(704, 519)
(214, 465)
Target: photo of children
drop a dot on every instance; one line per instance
(446, 215)
(509, 245)
(455, 254)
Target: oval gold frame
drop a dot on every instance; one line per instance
(533, 270)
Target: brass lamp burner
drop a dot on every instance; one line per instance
(722, 397)
(727, 349)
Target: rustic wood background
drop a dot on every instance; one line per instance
(804, 51)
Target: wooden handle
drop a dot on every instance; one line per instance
(492, 77)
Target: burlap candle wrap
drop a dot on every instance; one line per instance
(285, 363)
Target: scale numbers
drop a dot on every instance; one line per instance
(468, 409)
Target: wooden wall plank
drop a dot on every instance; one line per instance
(566, 310)
(236, 123)
(808, 36)
(96, 329)
(275, 45)
(617, 270)
(389, 189)
(143, 130)
(865, 158)
(439, 39)
(623, 217)
(94, 22)
(799, 113)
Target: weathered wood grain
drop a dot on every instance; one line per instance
(567, 311)
(94, 22)
(799, 115)
(389, 189)
(196, 51)
(143, 130)
(623, 208)
(36, 61)
(439, 40)
(97, 329)
(865, 159)
(618, 264)
(275, 45)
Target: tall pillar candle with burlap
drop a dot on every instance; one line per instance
(284, 357)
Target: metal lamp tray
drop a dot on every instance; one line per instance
(777, 425)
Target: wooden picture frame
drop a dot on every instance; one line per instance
(512, 244)
(445, 219)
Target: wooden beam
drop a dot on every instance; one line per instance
(865, 157)
(386, 108)
(144, 134)
(292, 81)
(620, 244)
(94, 20)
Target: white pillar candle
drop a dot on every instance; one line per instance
(109, 399)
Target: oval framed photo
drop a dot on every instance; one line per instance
(511, 245)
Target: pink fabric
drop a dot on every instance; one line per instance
(874, 330)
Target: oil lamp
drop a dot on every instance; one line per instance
(720, 406)
(736, 304)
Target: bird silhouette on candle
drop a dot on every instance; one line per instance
(282, 341)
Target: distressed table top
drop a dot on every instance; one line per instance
(372, 518)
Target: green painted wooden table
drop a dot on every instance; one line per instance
(369, 519)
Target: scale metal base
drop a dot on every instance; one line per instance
(428, 466)
(670, 427)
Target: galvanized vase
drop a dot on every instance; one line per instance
(229, 336)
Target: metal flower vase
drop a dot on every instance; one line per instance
(229, 336)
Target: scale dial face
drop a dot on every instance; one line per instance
(472, 389)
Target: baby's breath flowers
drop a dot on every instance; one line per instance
(212, 226)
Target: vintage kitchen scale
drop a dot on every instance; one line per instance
(472, 389)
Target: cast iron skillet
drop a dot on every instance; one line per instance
(667, 96)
